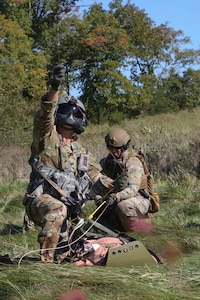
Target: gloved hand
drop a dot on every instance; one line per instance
(100, 187)
(58, 76)
(73, 206)
(112, 199)
(121, 183)
(98, 200)
(71, 201)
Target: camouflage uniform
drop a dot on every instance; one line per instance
(127, 174)
(45, 209)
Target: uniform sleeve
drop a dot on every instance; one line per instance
(135, 171)
(95, 171)
(43, 123)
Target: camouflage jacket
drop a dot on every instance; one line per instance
(49, 148)
(127, 174)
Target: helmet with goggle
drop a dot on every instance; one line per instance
(117, 138)
(71, 111)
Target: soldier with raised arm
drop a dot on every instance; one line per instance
(58, 157)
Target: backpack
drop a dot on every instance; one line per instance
(147, 183)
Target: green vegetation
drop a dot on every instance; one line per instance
(169, 139)
(122, 64)
(176, 224)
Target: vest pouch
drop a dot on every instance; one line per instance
(143, 184)
(83, 162)
(154, 203)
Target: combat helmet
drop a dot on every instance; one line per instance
(71, 111)
(118, 138)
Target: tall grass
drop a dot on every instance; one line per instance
(168, 139)
(175, 240)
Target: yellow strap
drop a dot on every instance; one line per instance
(94, 212)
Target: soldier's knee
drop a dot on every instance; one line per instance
(49, 235)
(127, 208)
(55, 215)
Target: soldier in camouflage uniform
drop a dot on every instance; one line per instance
(57, 155)
(128, 202)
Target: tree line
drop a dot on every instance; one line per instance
(121, 62)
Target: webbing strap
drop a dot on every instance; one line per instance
(52, 183)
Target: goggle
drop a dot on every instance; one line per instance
(117, 148)
(67, 108)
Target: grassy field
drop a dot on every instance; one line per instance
(175, 240)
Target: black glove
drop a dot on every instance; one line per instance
(72, 201)
(74, 207)
(121, 183)
(100, 187)
(58, 76)
(98, 200)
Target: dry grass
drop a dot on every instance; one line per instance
(14, 163)
(170, 141)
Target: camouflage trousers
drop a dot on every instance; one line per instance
(48, 213)
(132, 208)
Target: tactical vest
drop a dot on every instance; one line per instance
(117, 171)
(68, 180)
(147, 182)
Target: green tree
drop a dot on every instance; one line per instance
(125, 76)
(118, 59)
(40, 20)
(23, 79)
(155, 53)
(192, 87)
(176, 92)
(103, 84)
(95, 48)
